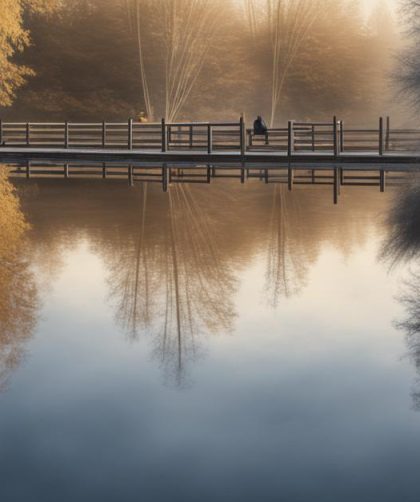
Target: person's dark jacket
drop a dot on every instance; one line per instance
(260, 126)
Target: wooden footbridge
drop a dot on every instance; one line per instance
(194, 142)
(302, 153)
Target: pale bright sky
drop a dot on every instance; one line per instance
(369, 4)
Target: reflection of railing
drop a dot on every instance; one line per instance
(172, 174)
(207, 137)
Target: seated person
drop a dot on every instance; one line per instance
(260, 126)
(142, 118)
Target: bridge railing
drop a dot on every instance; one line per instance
(399, 140)
(331, 137)
(314, 136)
(203, 136)
(206, 136)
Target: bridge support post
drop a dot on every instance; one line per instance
(209, 139)
(289, 139)
(313, 137)
(164, 137)
(290, 148)
(242, 134)
(66, 134)
(335, 137)
(381, 136)
(388, 133)
(66, 171)
(130, 134)
(341, 136)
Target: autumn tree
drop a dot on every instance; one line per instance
(408, 75)
(13, 39)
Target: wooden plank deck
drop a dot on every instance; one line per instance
(17, 154)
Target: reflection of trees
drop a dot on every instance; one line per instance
(18, 297)
(401, 245)
(132, 278)
(411, 324)
(172, 257)
(287, 264)
(403, 242)
(179, 286)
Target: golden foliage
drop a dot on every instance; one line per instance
(18, 297)
(14, 38)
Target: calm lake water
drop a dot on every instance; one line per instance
(217, 343)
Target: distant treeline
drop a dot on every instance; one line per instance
(93, 58)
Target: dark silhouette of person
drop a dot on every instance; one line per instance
(260, 126)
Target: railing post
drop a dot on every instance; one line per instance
(66, 134)
(388, 133)
(191, 136)
(242, 133)
(209, 139)
(290, 139)
(66, 171)
(103, 134)
(381, 136)
(341, 136)
(164, 137)
(130, 134)
(313, 137)
(335, 142)
(1, 133)
(28, 139)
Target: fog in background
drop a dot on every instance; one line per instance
(211, 59)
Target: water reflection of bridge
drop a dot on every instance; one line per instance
(338, 177)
